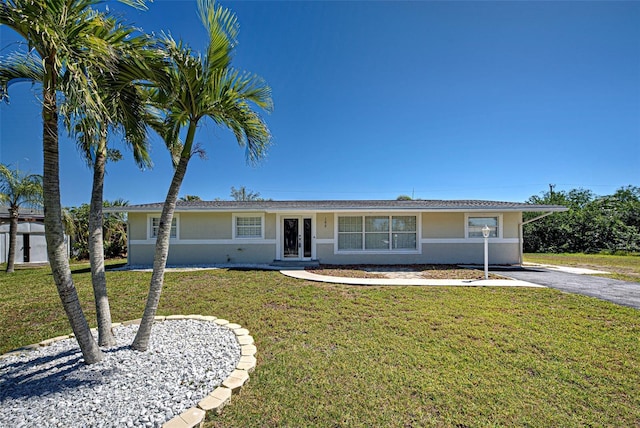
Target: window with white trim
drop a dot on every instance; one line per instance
(476, 224)
(377, 233)
(155, 224)
(248, 226)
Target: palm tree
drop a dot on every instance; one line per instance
(200, 87)
(125, 111)
(17, 190)
(65, 36)
(123, 106)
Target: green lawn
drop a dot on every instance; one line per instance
(626, 268)
(332, 355)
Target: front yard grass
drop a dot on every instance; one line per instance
(626, 268)
(334, 355)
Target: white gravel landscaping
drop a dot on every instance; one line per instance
(52, 387)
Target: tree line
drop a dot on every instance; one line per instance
(593, 224)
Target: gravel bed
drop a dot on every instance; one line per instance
(52, 387)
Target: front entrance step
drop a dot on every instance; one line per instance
(292, 264)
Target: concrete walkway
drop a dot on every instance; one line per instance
(567, 279)
(309, 276)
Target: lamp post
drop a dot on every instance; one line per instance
(485, 234)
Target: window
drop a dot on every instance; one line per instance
(248, 227)
(377, 233)
(350, 233)
(476, 224)
(155, 224)
(403, 230)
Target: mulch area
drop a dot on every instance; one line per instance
(395, 271)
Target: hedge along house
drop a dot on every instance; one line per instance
(332, 232)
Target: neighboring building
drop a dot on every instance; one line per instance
(31, 246)
(332, 232)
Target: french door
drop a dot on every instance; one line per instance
(296, 236)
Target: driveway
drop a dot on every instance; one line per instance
(620, 292)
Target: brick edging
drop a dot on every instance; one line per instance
(219, 397)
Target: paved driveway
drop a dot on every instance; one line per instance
(620, 292)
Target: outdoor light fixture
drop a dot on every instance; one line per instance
(485, 233)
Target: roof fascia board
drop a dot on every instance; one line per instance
(349, 209)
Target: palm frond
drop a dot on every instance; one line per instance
(18, 67)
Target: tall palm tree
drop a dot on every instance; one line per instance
(123, 108)
(201, 87)
(18, 190)
(124, 113)
(64, 35)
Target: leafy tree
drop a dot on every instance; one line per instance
(18, 190)
(69, 38)
(202, 86)
(190, 198)
(114, 231)
(592, 224)
(243, 194)
(404, 198)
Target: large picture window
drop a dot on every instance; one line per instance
(248, 226)
(377, 233)
(476, 224)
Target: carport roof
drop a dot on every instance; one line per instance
(344, 205)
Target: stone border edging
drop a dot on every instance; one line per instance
(219, 397)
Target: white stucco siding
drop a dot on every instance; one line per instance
(471, 253)
(325, 254)
(511, 224)
(443, 225)
(137, 226)
(142, 254)
(324, 225)
(443, 253)
(270, 226)
(206, 225)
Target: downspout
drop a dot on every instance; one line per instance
(521, 233)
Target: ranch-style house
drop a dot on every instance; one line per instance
(332, 232)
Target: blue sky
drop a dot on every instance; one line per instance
(439, 100)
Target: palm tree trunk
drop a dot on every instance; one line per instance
(54, 232)
(96, 250)
(13, 238)
(141, 341)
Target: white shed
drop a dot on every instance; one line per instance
(31, 243)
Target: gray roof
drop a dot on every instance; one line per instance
(343, 205)
(23, 212)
